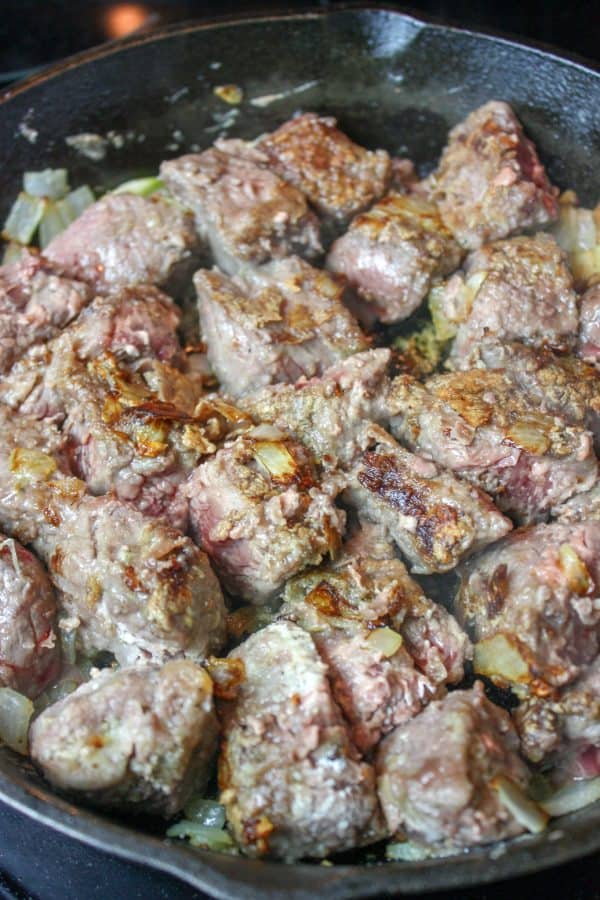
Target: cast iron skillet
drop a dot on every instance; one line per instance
(393, 81)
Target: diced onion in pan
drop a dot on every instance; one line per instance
(79, 199)
(386, 640)
(143, 187)
(201, 836)
(23, 219)
(205, 812)
(57, 216)
(51, 183)
(15, 712)
(525, 811)
(572, 797)
(12, 252)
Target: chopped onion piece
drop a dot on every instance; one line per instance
(15, 712)
(55, 219)
(51, 183)
(143, 187)
(201, 836)
(79, 199)
(575, 570)
(386, 640)
(23, 219)
(572, 797)
(525, 811)
(275, 457)
(500, 657)
(205, 812)
(406, 851)
(12, 252)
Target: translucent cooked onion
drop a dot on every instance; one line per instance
(79, 199)
(406, 851)
(386, 640)
(205, 812)
(57, 216)
(523, 808)
(23, 219)
(572, 797)
(201, 836)
(12, 252)
(143, 187)
(15, 712)
(499, 657)
(51, 183)
(575, 570)
(275, 457)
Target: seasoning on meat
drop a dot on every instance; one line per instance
(392, 254)
(388, 648)
(36, 301)
(243, 209)
(258, 510)
(490, 182)
(435, 774)
(29, 647)
(327, 414)
(125, 239)
(589, 326)
(280, 324)
(518, 289)
(531, 601)
(339, 177)
(478, 425)
(138, 740)
(291, 780)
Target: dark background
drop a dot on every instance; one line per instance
(34, 861)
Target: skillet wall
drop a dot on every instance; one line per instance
(391, 80)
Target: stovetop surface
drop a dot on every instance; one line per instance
(37, 863)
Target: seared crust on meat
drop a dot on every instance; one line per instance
(435, 773)
(379, 677)
(392, 254)
(338, 177)
(518, 289)
(589, 326)
(246, 212)
(435, 518)
(125, 239)
(29, 648)
(286, 322)
(136, 740)
(483, 428)
(291, 780)
(258, 510)
(532, 599)
(490, 182)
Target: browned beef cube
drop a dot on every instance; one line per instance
(389, 649)
(531, 601)
(136, 740)
(519, 289)
(490, 182)
(481, 427)
(392, 254)
(327, 414)
(435, 518)
(124, 239)
(589, 326)
(246, 212)
(292, 782)
(285, 323)
(436, 774)
(258, 511)
(29, 648)
(36, 301)
(339, 177)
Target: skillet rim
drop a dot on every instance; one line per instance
(208, 871)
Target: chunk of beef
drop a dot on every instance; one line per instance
(392, 254)
(36, 301)
(581, 507)
(480, 426)
(388, 648)
(532, 601)
(339, 177)
(291, 780)
(137, 587)
(285, 323)
(327, 414)
(566, 727)
(29, 650)
(589, 326)
(520, 289)
(125, 239)
(435, 518)
(561, 385)
(257, 509)
(436, 773)
(246, 212)
(490, 182)
(137, 740)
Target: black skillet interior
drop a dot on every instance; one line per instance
(392, 81)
